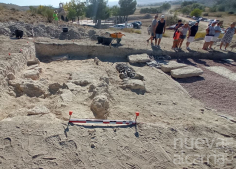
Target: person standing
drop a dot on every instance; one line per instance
(217, 33)
(191, 35)
(183, 32)
(175, 42)
(228, 35)
(160, 29)
(210, 33)
(153, 26)
(178, 25)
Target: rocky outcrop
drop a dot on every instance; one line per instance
(185, 72)
(134, 84)
(29, 87)
(140, 58)
(40, 109)
(171, 66)
(100, 106)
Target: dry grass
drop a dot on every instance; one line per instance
(200, 35)
(203, 34)
(129, 30)
(22, 16)
(1, 7)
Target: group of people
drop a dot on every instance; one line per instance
(183, 31)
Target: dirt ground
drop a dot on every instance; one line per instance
(177, 129)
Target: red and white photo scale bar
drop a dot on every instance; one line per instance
(102, 121)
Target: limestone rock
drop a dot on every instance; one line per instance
(171, 66)
(35, 67)
(10, 76)
(80, 79)
(32, 74)
(73, 87)
(100, 106)
(185, 72)
(135, 84)
(29, 87)
(139, 76)
(140, 58)
(33, 62)
(67, 96)
(40, 109)
(54, 87)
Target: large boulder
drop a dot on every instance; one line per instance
(185, 72)
(54, 87)
(80, 79)
(40, 109)
(140, 58)
(32, 74)
(35, 67)
(100, 106)
(171, 66)
(134, 84)
(67, 96)
(29, 87)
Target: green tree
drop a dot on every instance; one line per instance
(127, 7)
(166, 6)
(221, 8)
(75, 8)
(71, 13)
(98, 10)
(186, 10)
(196, 12)
(115, 10)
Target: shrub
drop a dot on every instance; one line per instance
(221, 8)
(205, 14)
(230, 12)
(196, 12)
(218, 15)
(171, 20)
(213, 9)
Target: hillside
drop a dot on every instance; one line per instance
(10, 6)
(21, 16)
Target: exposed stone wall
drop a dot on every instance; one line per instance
(45, 50)
(12, 64)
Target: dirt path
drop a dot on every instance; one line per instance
(212, 88)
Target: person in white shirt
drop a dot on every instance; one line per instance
(217, 33)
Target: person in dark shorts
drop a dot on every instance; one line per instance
(191, 35)
(160, 29)
(183, 32)
(153, 26)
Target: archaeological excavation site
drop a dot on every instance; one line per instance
(69, 101)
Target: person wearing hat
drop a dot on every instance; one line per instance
(191, 34)
(217, 33)
(228, 35)
(160, 29)
(153, 31)
(210, 33)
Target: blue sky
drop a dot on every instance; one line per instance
(54, 3)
